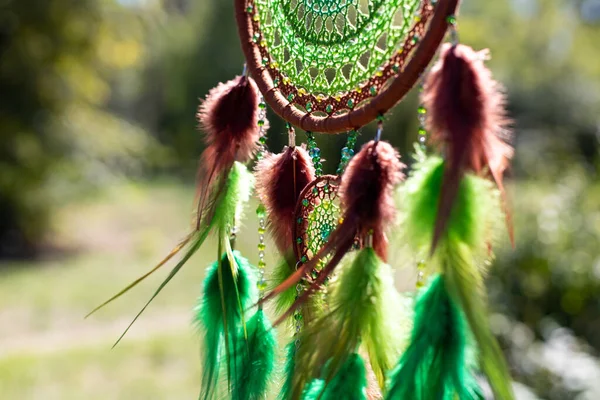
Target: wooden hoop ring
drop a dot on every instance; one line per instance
(359, 117)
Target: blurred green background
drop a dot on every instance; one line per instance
(98, 153)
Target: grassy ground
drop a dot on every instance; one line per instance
(49, 351)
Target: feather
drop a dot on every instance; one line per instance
(229, 289)
(280, 178)
(363, 311)
(290, 366)
(257, 360)
(367, 200)
(229, 118)
(281, 272)
(467, 119)
(436, 364)
(349, 383)
(229, 206)
(465, 285)
(468, 231)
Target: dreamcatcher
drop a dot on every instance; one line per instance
(334, 66)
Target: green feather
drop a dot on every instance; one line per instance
(364, 310)
(349, 383)
(435, 365)
(256, 360)
(282, 271)
(470, 230)
(290, 365)
(229, 206)
(465, 285)
(229, 289)
(473, 211)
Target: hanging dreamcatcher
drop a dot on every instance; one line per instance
(334, 66)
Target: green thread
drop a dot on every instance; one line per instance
(318, 44)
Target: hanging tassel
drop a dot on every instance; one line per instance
(467, 120)
(280, 178)
(366, 194)
(229, 289)
(363, 299)
(363, 311)
(228, 207)
(229, 116)
(462, 245)
(256, 361)
(230, 120)
(436, 364)
(350, 383)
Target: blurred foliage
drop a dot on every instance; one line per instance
(93, 90)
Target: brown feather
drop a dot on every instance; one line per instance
(368, 207)
(229, 118)
(280, 178)
(467, 119)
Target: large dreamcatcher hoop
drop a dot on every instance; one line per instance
(333, 66)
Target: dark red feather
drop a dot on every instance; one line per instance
(229, 118)
(279, 180)
(467, 120)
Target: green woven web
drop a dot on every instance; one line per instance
(332, 46)
(318, 217)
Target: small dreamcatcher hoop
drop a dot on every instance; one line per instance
(333, 66)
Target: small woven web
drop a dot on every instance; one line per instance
(329, 47)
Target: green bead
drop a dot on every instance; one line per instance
(299, 220)
(260, 211)
(262, 285)
(329, 108)
(309, 106)
(261, 122)
(299, 240)
(350, 103)
(451, 19)
(422, 110)
(291, 96)
(262, 105)
(304, 259)
(305, 202)
(422, 132)
(262, 264)
(261, 247)
(261, 231)
(276, 82)
(373, 90)
(262, 140)
(249, 9)
(265, 61)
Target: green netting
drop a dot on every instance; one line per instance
(331, 46)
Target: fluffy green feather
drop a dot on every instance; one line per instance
(349, 383)
(470, 230)
(465, 285)
(229, 289)
(282, 271)
(229, 206)
(435, 365)
(256, 359)
(364, 311)
(472, 213)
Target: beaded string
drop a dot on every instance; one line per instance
(314, 152)
(347, 151)
(260, 210)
